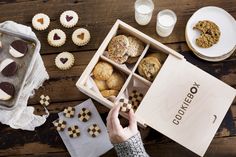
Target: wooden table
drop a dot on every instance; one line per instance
(98, 17)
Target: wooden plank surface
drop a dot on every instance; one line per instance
(98, 17)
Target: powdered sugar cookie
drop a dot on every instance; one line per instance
(69, 18)
(64, 60)
(81, 37)
(56, 38)
(40, 21)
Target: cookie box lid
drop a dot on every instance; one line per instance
(186, 104)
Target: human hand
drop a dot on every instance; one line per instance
(116, 132)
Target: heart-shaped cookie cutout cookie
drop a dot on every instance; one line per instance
(68, 18)
(41, 20)
(63, 60)
(56, 37)
(81, 36)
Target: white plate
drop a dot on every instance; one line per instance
(227, 25)
(212, 59)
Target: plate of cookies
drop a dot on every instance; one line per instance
(210, 33)
(16, 59)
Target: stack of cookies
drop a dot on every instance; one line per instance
(125, 49)
(108, 80)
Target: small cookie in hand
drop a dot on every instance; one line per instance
(44, 100)
(125, 105)
(69, 112)
(135, 48)
(109, 93)
(94, 130)
(135, 98)
(56, 38)
(102, 85)
(102, 70)
(40, 21)
(60, 124)
(81, 37)
(116, 81)
(74, 131)
(84, 115)
(149, 67)
(18, 48)
(8, 67)
(69, 18)
(7, 91)
(64, 60)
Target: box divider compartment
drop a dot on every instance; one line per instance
(116, 65)
(141, 57)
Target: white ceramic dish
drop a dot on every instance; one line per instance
(227, 24)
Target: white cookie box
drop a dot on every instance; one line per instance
(183, 102)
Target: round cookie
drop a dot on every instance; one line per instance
(81, 37)
(135, 48)
(116, 81)
(132, 60)
(94, 130)
(109, 93)
(56, 38)
(118, 46)
(40, 21)
(102, 71)
(7, 91)
(69, 18)
(64, 60)
(119, 60)
(101, 84)
(210, 33)
(161, 56)
(149, 67)
(18, 48)
(8, 67)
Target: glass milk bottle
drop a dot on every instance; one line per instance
(143, 11)
(166, 20)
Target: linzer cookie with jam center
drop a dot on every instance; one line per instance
(64, 60)
(81, 37)
(7, 91)
(69, 18)
(40, 21)
(56, 38)
(8, 67)
(18, 48)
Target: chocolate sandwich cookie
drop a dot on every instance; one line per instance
(7, 91)
(8, 67)
(18, 48)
